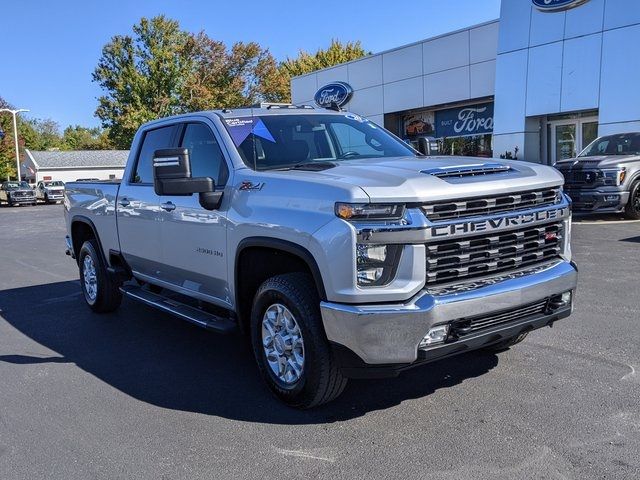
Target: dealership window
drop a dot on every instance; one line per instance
(462, 130)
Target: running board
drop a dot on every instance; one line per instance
(181, 310)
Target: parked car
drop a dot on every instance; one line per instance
(17, 193)
(50, 191)
(605, 177)
(337, 248)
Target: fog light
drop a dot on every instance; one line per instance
(369, 253)
(566, 297)
(369, 276)
(611, 198)
(434, 336)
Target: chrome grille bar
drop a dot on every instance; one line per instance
(454, 260)
(439, 211)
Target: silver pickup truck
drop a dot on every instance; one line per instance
(337, 248)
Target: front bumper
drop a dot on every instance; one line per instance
(602, 200)
(390, 334)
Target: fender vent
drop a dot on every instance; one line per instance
(470, 171)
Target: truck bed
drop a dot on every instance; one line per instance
(96, 203)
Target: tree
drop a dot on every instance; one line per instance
(335, 54)
(83, 138)
(142, 76)
(7, 145)
(162, 70)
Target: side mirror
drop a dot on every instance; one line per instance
(172, 176)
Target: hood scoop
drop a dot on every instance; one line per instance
(468, 170)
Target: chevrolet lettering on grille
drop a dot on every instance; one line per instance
(500, 223)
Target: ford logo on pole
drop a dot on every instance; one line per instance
(556, 5)
(338, 93)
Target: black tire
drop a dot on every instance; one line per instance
(46, 199)
(108, 296)
(9, 203)
(632, 210)
(321, 379)
(506, 344)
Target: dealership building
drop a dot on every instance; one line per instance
(539, 83)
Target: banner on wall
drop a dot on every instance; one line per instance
(464, 121)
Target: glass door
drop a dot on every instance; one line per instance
(569, 137)
(565, 141)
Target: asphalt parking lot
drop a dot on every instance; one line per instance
(139, 394)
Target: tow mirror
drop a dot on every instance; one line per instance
(172, 176)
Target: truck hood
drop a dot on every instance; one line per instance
(597, 161)
(415, 179)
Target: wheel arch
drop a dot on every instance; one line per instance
(82, 229)
(270, 252)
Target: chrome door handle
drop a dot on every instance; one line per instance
(169, 206)
(124, 202)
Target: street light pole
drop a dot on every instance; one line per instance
(15, 136)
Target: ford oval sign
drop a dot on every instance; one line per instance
(556, 5)
(336, 93)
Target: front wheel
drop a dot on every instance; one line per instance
(101, 292)
(292, 351)
(632, 210)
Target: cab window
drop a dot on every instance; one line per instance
(153, 140)
(205, 154)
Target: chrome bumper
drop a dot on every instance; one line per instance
(391, 333)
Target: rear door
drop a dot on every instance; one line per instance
(138, 209)
(194, 239)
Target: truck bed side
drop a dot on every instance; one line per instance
(94, 203)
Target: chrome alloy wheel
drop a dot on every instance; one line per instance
(283, 344)
(90, 278)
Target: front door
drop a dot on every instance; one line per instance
(195, 239)
(570, 137)
(138, 208)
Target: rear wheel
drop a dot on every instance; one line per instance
(632, 210)
(101, 292)
(292, 351)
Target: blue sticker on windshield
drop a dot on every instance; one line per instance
(261, 130)
(241, 128)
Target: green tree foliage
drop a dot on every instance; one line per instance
(82, 138)
(305, 62)
(161, 70)
(7, 146)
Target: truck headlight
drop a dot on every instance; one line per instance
(369, 211)
(376, 264)
(614, 176)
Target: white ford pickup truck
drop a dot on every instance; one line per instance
(339, 250)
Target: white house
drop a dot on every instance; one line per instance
(69, 166)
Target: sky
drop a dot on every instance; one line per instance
(51, 48)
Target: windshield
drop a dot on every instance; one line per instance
(56, 183)
(624, 144)
(16, 185)
(285, 141)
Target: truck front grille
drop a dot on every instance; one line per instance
(494, 204)
(454, 260)
(579, 177)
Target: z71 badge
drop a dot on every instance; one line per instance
(250, 186)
